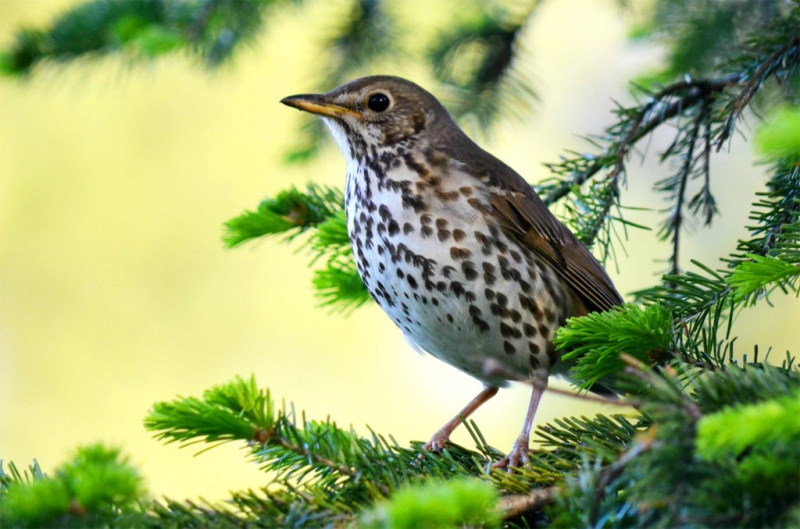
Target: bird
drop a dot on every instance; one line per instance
(454, 245)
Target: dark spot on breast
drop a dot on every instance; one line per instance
(529, 330)
(414, 202)
(407, 228)
(446, 196)
(400, 273)
(468, 268)
(509, 349)
(459, 254)
(534, 361)
(516, 317)
(489, 293)
(450, 318)
(544, 330)
(411, 281)
(459, 235)
(552, 355)
(498, 311)
(470, 296)
(441, 224)
(426, 231)
(447, 271)
(394, 227)
(443, 235)
(466, 191)
(481, 324)
(457, 288)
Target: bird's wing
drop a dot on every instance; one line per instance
(520, 211)
(528, 219)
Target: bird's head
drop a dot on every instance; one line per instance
(374, 111)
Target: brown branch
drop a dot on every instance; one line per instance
(751, 87)
(643, 124)
(519, 504)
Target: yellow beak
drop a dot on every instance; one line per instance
(316, 104)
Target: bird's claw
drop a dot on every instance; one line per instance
(435, 444)
(517, 457)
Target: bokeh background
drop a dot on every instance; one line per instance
(115, 290)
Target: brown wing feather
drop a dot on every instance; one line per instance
(526, 216)
(522, 213)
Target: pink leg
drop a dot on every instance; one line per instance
(518, 455)
(438, 440)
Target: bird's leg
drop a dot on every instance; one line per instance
(518, 455)
(442, 435)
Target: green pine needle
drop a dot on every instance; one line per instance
(340, 287)
(229, 412)
(89, 490)
(458, 503)
(291, 212)
(779, 138)
(733, 430)
(596, 341)
(760, 272)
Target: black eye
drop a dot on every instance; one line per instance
(378, 102)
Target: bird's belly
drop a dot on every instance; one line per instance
(459, 288)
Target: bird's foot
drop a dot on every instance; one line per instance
(517, 457)
(437, 442)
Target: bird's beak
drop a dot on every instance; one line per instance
(316, 104)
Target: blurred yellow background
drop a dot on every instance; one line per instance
(115, 291)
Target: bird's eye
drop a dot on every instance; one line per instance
(378, 102)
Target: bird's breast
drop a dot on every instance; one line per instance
(445, 273)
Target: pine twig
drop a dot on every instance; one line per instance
(518, 504)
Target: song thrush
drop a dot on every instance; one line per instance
(454, 245)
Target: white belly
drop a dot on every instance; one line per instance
(458, 288)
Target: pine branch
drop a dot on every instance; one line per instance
(594, 342)
(319, 210)
(209, 29)
(675, 185)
